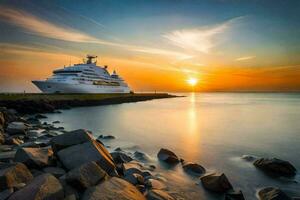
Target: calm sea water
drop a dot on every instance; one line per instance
(212, 129)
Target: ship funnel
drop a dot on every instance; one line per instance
(90, 59)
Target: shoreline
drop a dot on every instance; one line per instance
(32, 103)
(42, 155)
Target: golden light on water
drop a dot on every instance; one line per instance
(192, 81)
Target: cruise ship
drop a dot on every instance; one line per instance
(85, 77)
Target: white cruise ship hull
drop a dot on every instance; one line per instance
(55, 87)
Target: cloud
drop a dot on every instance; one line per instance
(245, 58)
(40, 27)
(200, 39)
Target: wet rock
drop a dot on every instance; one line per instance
(134, 179)
(271, 193)
(106, 137)
(11, 174)
(35, 133)
(33, 157)
(158, 195)
(216, 182)
(155, 184)
(71, 138)
(147, 174)
(131, 168)
(79, 154)
(2, 120)
(114, 188)
(14, 128)
(40, 116)
(276, 166)
(33, 120)
(55, 171)
(141, 156)
(249, 158)
(14, 141)
(234, 195)
(6, 193)
(167, 156)
(193, 168)
(85, 176)
(2, 138)
(45, 186)
(120, 157)
(56, 122)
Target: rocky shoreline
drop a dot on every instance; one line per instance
(41, 161)
(28, 104)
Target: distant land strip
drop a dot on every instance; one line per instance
(30, 103)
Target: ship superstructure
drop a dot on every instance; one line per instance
(86, 77)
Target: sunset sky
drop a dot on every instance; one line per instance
(226, 45)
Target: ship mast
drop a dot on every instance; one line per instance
(90, 59)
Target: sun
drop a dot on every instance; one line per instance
(192, 81)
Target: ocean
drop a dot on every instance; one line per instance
(212, 129)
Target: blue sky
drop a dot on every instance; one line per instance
(215, 33)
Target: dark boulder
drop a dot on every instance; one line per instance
(85, 176)
(45, 186)
(155, 184)
(132, 167)
(13, 174)
(15, 128)
(120, 157)
(216, 182)
(167, 156)
(271, 193)
(234, 195)
(76, 155)
(158, 195)
(55, 171)
(106, 137)
(70, 138)
(33, 157)
(193, 168)
(40, 116)
(276, 166)
(114, 188)
(134, 179)
(141, 156)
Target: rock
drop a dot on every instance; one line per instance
(76, 155)
(6, 193)
(11, 174)
(234, 195)
(120, 157)
(216, 182)
(134, 179)
(40, 116)
(107, 137)
(85, 176)
(147, 174)
(2, 119)
(2, 138)
(14, 128)
(56, 122)
(55, 171)
(132, 167)
(19, 186)
(141, 156)
(14, 141)
(158, 195)
(248, 158)
(45, 186)
(276, 166)
(71, 138)
(193, 168)
(155, 184)
(114, 188)
(271, 193)
(35, 133)
(33, 120)
(167, 156)
(33, 157)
